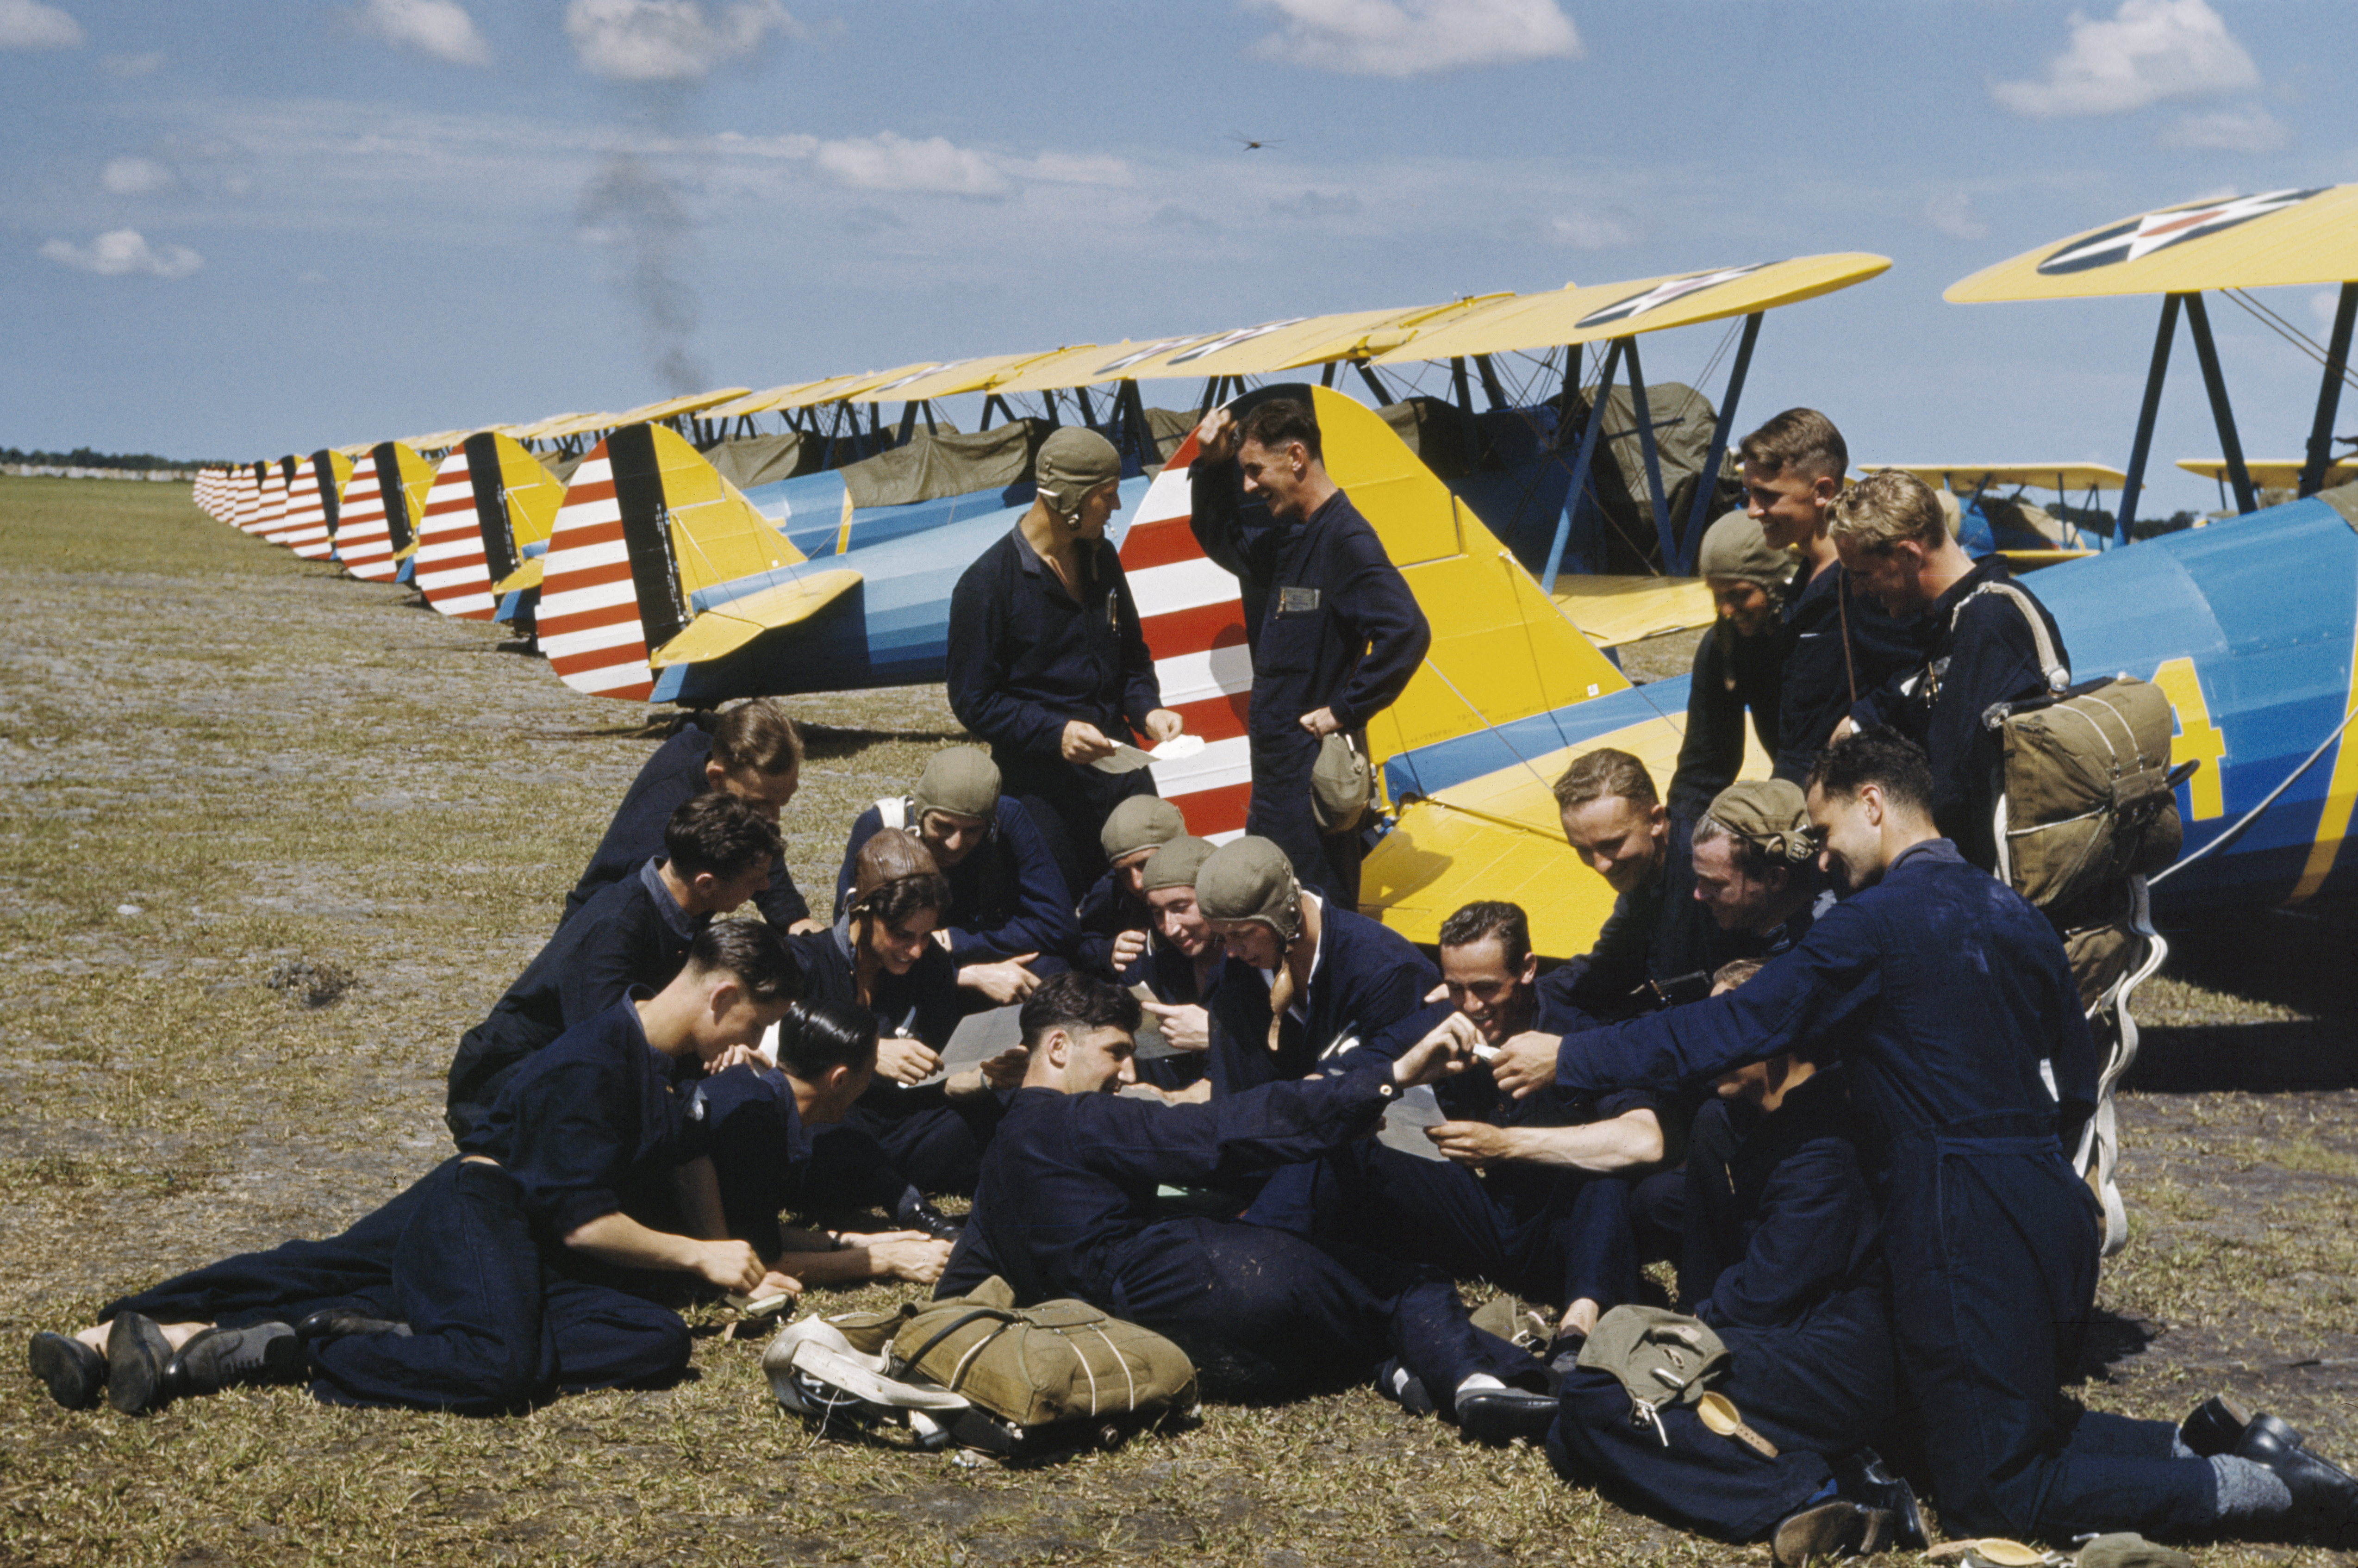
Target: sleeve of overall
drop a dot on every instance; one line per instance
(1142, 691)
(565, 1151)
(863, 827)
(782, 904)
(1812, 1209)
(979, 664)
(1386, 1044)
(1215, 500)
(1602, 979)
(1377, 612)
(749, 1153)
(1042, 919)
(1834, 976)
(1712, 752)
(1276, 1124)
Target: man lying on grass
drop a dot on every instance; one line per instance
(511, 1270)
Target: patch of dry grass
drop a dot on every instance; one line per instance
(273, 764)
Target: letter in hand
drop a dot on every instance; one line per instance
(1003, 982)
(1187, 1028)
(1215, 438)
(1084, 742)
(1526, 1063)
(906, 1061)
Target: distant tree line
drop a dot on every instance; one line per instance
(83, 457)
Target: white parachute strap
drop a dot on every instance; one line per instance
(894, 809)
(2051, 666)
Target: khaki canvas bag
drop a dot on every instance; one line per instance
(1038, 1366)
(2086, 799)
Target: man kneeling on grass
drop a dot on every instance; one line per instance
(512, 1269)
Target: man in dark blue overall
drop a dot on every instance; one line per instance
(1181, 967)
(1117, 929)
(778, 1145)
(752, 751)
(1334, 629)
(880, 959)
(1951, 1002)
(1984, 632)
(1046, 662)
(1309, 986)
(1066, 1208)
(1839, 644)
(1782, 1263)
(1009, 918)
(1658, 940)
(1548, 1219)
(515, 1268)
(1740, 665)
(719, 853)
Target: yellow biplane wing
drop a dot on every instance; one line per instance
(2263, 241)
(1582, 314)
(2270, 473)
(1963, 479)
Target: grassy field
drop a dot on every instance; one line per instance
(222, 762)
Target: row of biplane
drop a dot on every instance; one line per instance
(679, 553)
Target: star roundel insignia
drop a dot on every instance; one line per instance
(1664, 292)
(2144, 236)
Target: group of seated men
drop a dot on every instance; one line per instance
(1817, 1059)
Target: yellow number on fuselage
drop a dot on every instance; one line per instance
(2196, 737)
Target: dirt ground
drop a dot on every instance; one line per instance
(224, 765)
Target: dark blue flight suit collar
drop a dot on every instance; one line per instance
(1085, 555)
(683, 924)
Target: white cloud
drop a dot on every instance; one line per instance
(130, 64)
(1074, 168)
(669, 41)
(2149, 50)
(1408, 38)
(2252, 130)
(136, 176)
(29, 24)
(122, 251)
(1952, 213)
(1590, 231)
(887, 162)
(440, 27)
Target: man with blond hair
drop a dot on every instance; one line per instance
(1984, 644)
(1615, 821)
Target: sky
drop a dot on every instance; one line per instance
(255, 226)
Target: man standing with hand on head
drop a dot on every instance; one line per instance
(1046, 662)
(1334, 631)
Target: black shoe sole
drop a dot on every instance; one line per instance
(75, 1372)
(1831, 1530)
(136, 1355)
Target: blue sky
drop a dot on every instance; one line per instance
(250, 226)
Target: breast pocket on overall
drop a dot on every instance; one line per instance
(1292, 633)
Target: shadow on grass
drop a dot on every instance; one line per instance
(2303, 1055)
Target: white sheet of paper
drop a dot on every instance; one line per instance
(1127, 758)
(1405, 1120)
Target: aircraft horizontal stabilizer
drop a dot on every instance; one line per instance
(1438, 858)
(727, 627)
(1611, 610)
(525, 576)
